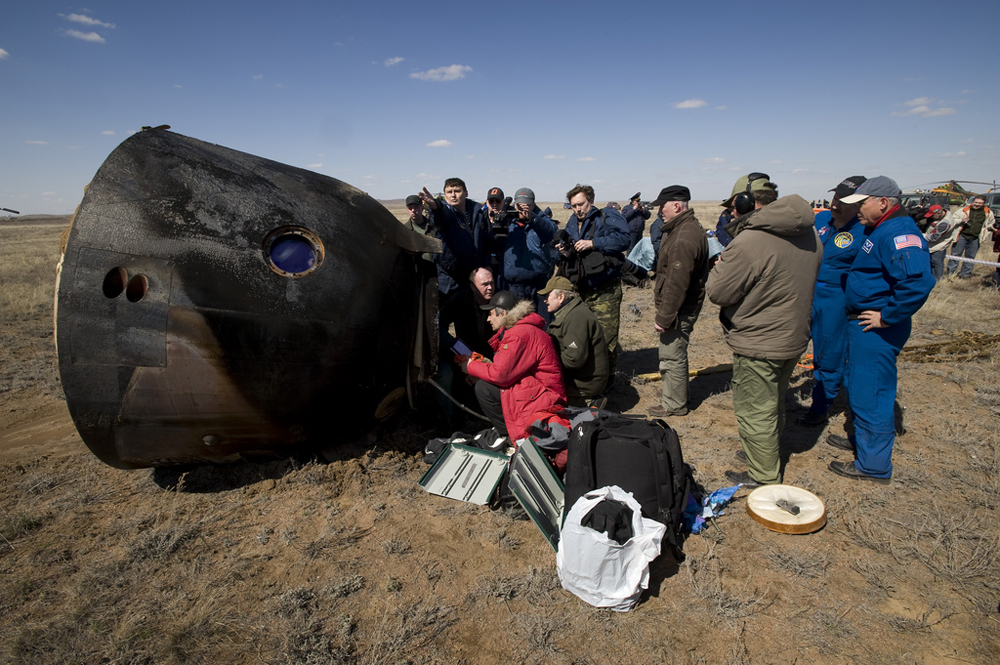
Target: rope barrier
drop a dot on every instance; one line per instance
(949, 257)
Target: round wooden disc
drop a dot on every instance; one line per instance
(762, 507)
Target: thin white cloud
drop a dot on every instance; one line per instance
(800, 170)
(3, 54)
(926, 112)
(714, 160)
(37, 142)
(720, 108)
(947, 155)
(921, 106)
(108, 132)
(449, 73)
(968, 141)
(440, 143)
(587, 159)
(83, 19)
(318, 165)
(178, 86)
(257, 77)
(372, 177)
(85, 36)
(389, 62)
(691, 104)
(48, 193)
(554, 157)
(967, 91)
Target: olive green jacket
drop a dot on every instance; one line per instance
(583, 352)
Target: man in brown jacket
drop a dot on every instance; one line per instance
(681, 270)
(764, 284)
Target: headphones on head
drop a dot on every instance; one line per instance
(743, 202)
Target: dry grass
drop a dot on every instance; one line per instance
(350, 562)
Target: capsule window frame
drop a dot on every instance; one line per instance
(309, 236)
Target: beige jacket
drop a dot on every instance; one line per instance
(764, 281)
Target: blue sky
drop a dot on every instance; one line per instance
(392, 96)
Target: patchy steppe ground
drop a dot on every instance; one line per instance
(294, 561)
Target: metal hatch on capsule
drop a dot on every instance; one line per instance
(212, 304)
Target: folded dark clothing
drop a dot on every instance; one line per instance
(611, 517)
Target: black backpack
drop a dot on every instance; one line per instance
(640, 456)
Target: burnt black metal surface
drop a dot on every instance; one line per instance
(180, 340)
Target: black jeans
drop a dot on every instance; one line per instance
(489, 401)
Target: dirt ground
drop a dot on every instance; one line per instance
(299, 561)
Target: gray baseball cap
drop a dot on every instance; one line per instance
(878, 186)
(524, 195)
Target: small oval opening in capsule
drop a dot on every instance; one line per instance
(136, 289)
(293, 252)
(114, 282)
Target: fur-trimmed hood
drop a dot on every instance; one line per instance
(520, 310)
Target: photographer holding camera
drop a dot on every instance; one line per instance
(592, 255)
(635, 215)
(522, 243)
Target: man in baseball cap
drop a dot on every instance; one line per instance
(878, 187)
(579, 340)
(840, 231)
(525, 251)
(887, 283)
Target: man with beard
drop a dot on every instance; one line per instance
(839, 230)
(888, 282)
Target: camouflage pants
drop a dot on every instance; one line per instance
(606, 303)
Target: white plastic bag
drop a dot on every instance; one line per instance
(597, 569)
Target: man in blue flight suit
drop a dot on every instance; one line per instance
(839, 230)
(888, 282)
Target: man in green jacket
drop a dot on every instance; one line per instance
(579, 341)
(764, 284)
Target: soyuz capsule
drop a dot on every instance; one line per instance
(212, 304)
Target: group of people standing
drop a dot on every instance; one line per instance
(849, 279)
(552, 305)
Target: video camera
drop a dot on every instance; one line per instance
(499, 221)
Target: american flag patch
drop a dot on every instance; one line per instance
(908, 240)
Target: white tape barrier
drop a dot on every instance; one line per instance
(949, 257)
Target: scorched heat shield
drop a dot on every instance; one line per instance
(211, 303)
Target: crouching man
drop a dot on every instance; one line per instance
(579, 341)
(524, 377)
